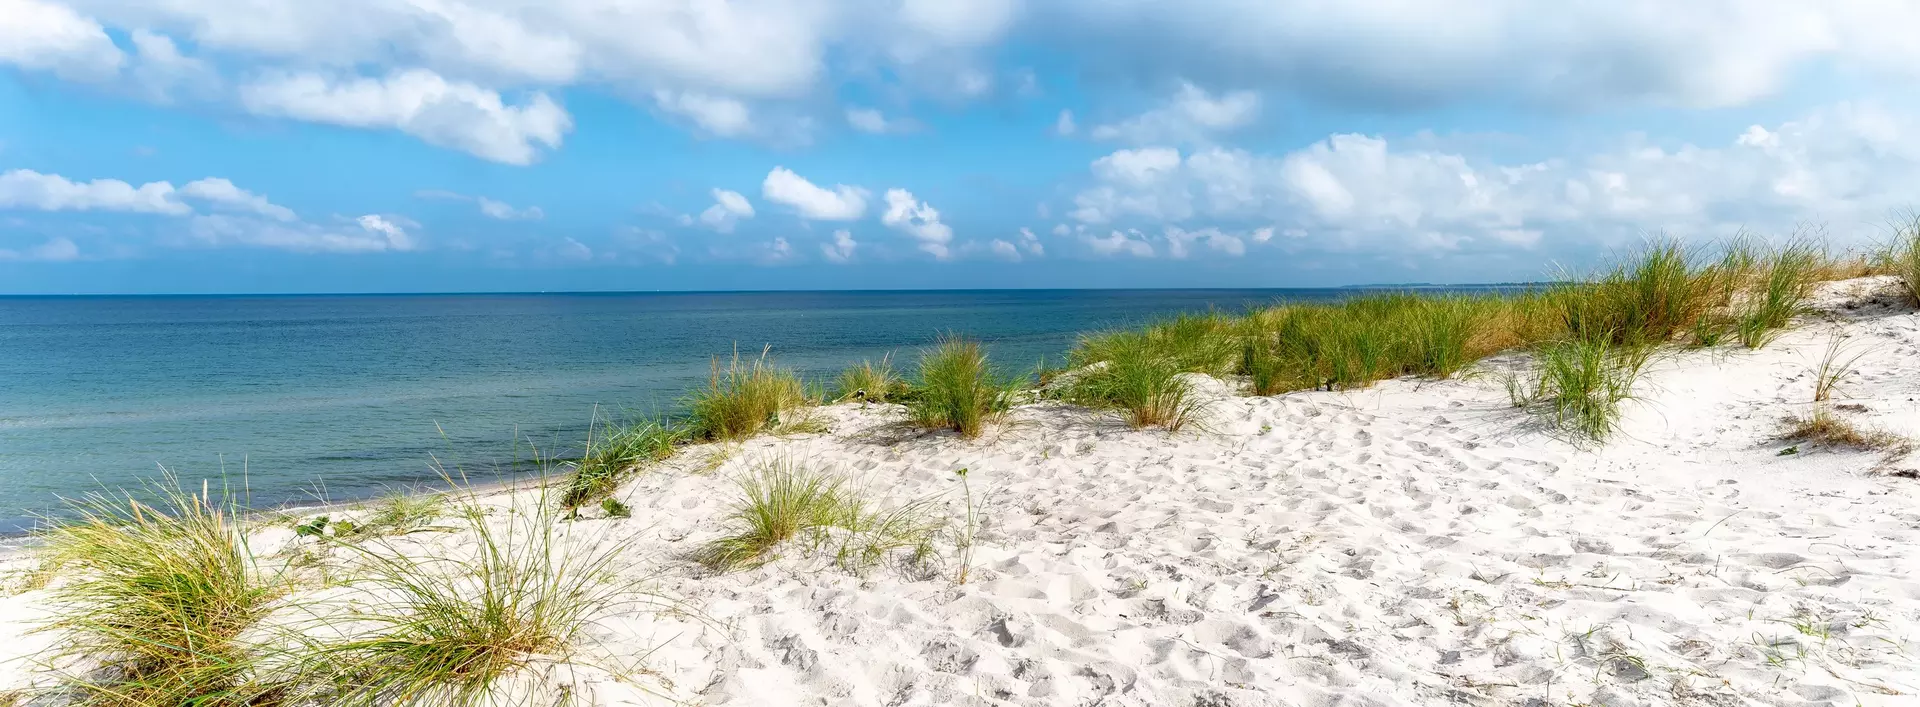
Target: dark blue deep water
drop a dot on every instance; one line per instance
(344, 396)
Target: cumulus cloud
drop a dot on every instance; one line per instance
(421, 103)
(504, 211)
(1004, 250)
(715, 115)
(1844, 165)
(1581, 52)
(1064, 125)
(55, 250)
(1114, 243)
(224, 194)
(1180, 242)
(871, 120)
(841, 249)
(1031, 243)
(490, 208)
(728, 209)
(47, 36)
(366, 234)
(1191, 116)
(841, 203)
(27, 189)
(919, 220)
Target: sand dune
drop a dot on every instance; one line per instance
(1415, 543)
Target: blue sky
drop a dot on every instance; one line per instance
(487, 145)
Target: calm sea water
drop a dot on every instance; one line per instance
(348, 396)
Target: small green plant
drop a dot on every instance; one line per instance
(1786, 280)
(871, 382)
(613, 508)
(743, 399)
(1581, 384)
(1825, 429)
(447, 627)
(965, 542)
(782, 501)
(1902, 256)
(1836, 365)
(1148, 386)
(613, 455)
(958, 389)
(161, 595)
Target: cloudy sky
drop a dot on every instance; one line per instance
(485, 145)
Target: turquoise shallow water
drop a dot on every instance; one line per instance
(345, 396)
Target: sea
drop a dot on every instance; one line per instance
(303, 399)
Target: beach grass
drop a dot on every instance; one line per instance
(745, 398)
(958, 389)
(1591, 332)
(1901, 256)
(158, 597)
(783, 500)
(1824, 428)
(1786, 279)
(447, 627)
(870, 381)
(613, 453)
(1138, 379)
(1580, 385)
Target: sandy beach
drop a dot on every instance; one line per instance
(1418, 542)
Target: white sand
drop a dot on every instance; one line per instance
(1418, 543)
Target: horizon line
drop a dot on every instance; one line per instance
(471, 293)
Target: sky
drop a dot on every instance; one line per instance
(237, 146)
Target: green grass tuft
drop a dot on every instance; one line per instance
(1901, 257)
(1580, 385)
(958, 389)
(872, 382)
(744, 399)
(613, 455)
(447, 627)
(783, 501)
(1137, 379)
(160, 596)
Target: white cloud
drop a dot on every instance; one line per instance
(396, 237)
(1064, 124)
(1116, 242)
(1578, 52)
(490, 208)
(715, 115)
(842, 203)
(367, 234)
(161, 72)
(1031, 243)
(1846, 166)
(1180, 242)
(1191, 116)
(871, 120)
(459, 115)
(728, 210)
(48, 36)
(1005, 250)
(1134, 182)
(224, 194)
(866, 120)
(570, 249)
(919, 220)
(55, 250)
(841, 249)
(27, 189)
(504, 211)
